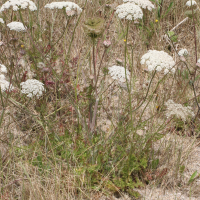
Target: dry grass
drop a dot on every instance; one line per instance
(49, 147)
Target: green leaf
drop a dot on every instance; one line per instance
(182, 168)
(170, 33)
(168, 9)
(155, 163)
(192, 177)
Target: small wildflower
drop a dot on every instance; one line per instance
(124, 40)
(18, 4)
(145, 4)
(198, 63)
(191, 3)
(156, 20)
(5, 85)
(129, 11)
(32, 87)
(16, 26)
(69, 6)
(3, 69)
(183, 52)
(22, 46)
(107, 43)
(1, 21)
(174, 109)
(118, 73)
(158, 60)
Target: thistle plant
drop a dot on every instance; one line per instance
(94, 28)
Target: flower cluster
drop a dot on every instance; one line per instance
(183, 52)
(32, 87)
(4, 84)
(16, 26)
(191, 3)
(1, 21)
(145, 4)
(158, 60)
(129, 11)
(69, 6)
(118, 73)
(3, 68)
(175, 109)
(18, 4)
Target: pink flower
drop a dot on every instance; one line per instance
(198, 64)
(107, 43)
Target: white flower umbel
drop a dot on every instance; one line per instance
(191, 3)
(158, 60)
(69, 6)
(3, 69)
(32, 87)
(183, 52)
(175, 109)
(118, 73)
(18, 4)
(129, 11)
(1, 21)
(5, 85)
(145, 4)
(16, 26)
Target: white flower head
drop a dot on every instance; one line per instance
(3, 69)
(69, 6)
(1, 21)
(145, 4)
(2, 77)
(175, 109)
(5, 85)
(183, 52)
(40, 65)
(191, 3)
(18, 4)
(32, 87)
(16, 26)
(129, 11)
(198, 61)
(118, 73)
(158, 60)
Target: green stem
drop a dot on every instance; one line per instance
(125, 53)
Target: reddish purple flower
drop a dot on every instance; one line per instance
(107, 43)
